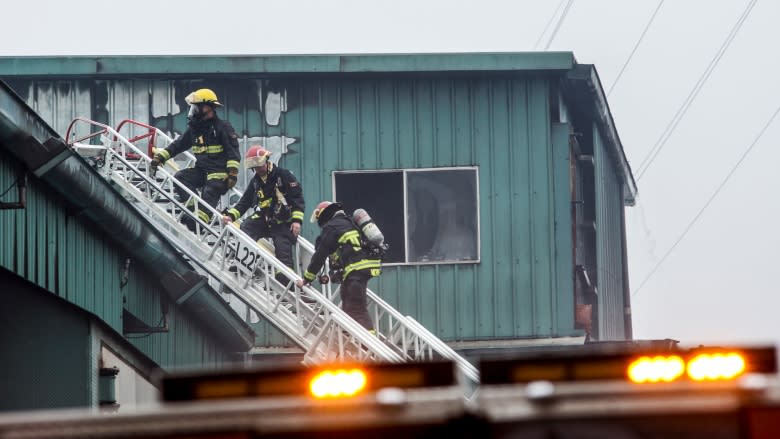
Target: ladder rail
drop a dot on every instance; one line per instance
(156, 133)
(318, 325)
(213, 258)
(160, 139)
(410, 328)
(134, 175)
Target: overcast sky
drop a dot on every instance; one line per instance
(719, 284)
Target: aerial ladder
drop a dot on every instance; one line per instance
(232, 261)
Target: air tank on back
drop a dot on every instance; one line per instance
(368, 227)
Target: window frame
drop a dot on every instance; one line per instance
(404, 172)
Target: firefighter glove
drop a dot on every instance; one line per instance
(156, 162)
(231, 181)
(232, 177)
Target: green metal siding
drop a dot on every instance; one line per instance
(564, 254)
(186, 344)
(609, 245)
(56, 250)
(45, 351)
(499, 123)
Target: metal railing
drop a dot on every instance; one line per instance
(310, 317)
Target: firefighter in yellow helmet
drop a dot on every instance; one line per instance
(277, 197)
(214, 143)
(341, 241)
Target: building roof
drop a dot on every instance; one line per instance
(583, 77)
(585, 82)
(221, 65)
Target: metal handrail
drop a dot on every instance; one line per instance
(88, 136)
(317, 324)
(210, 247)
(151, 133)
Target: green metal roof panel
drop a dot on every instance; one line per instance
(209, 65)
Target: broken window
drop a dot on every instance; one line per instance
(426, 215)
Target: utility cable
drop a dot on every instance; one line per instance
(636, 46)
(547, 26)
(558, 25)
(707, 204)
(673, 123)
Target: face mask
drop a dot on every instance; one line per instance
(194, 113)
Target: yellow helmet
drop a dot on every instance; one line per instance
(202, 96)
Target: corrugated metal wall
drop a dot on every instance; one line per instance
(58, 251)
(45, 350)
(500, 124)
(186, 344)
(54, 249)
(609, 243)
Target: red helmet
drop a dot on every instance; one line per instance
(256, 156)
(315, 216)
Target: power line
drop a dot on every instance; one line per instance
(636, 46)
(549, 22)
(673, 123)
(558, 25)
(709, 201)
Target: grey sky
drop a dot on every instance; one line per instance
(718, 285)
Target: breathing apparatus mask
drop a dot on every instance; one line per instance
(195, 113)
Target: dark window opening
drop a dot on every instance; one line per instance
(430, 216)
(380, 194)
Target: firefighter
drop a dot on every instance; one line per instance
(215, 145)
(341, 241)
(278, 200)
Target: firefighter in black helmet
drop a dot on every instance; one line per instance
(341, 241)
(215, 145)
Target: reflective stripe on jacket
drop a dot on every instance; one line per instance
(214, 144)
(340, 239)
(264, 195)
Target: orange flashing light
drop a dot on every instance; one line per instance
(712, 366)
(716, 366)
(655, 369)
(337, 383)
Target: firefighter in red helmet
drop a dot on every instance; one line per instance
(215, 145)
(278, 200)
(341, 241)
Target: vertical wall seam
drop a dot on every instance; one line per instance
(492, 153)
(512, 144)
(531, 205)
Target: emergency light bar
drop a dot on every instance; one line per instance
(341, 380)
(699, 364)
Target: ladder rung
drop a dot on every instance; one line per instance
(315, 323)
